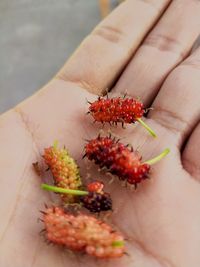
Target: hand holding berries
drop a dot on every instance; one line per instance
(82, 232)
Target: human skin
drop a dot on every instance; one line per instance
(161, 218)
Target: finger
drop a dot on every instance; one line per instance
(104, 53)
(190, 156)
(177, 105)
(167, 45)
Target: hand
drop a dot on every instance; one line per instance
(161, 218)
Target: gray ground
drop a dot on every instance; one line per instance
(36, 38)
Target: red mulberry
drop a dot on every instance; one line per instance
(82, 233)
(118, 110)
(119, 159)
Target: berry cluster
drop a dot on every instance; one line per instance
(116, 110)
(97, 200)
(64, 169)
(82, 233)
(119, 159)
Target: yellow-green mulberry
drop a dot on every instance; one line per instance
(64, 169)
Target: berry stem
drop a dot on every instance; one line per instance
(118, 243)
(55, 144)
(158, 158)
(63, 190)
(152, 133)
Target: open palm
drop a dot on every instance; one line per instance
(161, 218)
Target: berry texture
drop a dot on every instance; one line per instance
(64, 169)
(82, 233)
(96, 186)
(117, 158)
(97, 202)
(115, 110)
(118, 110)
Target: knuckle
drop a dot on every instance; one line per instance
(109, 33)
(191, 166)
(164, 43)
(170, 120)
(192, 63)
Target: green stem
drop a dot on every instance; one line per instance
(118, 243)
(64, 190)
(55, 144)
(152, 133)
(158, 158)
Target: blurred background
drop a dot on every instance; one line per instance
(37, 37)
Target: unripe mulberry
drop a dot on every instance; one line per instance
(119, 159)
(82, 233)
(64, 169)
